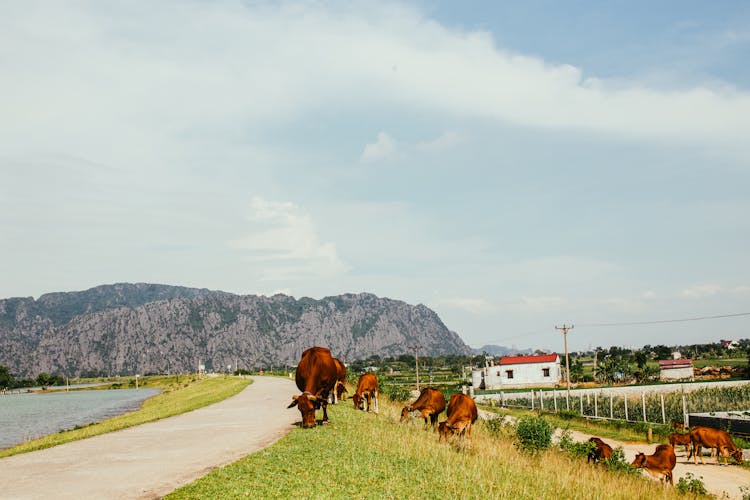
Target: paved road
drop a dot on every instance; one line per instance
(150, 460)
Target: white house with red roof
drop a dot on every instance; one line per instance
(676, 369)
(519, 371)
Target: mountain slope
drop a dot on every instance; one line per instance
(129, 328)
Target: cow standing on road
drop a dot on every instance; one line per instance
(316, 377)
(601, 451)
(714, 438)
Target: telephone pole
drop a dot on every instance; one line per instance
(564, 329)
(416, 360)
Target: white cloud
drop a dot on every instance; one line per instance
(284, 243)
(381, 149)
(471, 305)
(445, 141)
(702, 291)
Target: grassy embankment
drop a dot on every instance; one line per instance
(177, 397)
(361, 455)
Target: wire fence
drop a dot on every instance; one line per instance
(650, 406)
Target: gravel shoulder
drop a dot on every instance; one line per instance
(151, 460)
(724, 481)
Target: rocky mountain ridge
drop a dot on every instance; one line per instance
(142, 328)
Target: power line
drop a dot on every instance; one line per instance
(655, 322)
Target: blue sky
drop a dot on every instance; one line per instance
(512, 165)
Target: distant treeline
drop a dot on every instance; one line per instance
(8, 381)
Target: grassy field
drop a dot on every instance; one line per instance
(362, 455)
(177, 397)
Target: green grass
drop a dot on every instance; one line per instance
(189, 394)
(361, 455)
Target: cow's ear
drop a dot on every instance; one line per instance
(294, 401)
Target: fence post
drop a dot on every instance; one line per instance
(581, 404)
(684, 410)
(643, 402)
(663, 414)
(567, 401)
(532, 399)
(596, 407)
(541, 400)
(554, 398)
(625, 397)
(611, 406)
(502, 397)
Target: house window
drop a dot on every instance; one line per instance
(509, 373)
(545, 372)
(498, 373)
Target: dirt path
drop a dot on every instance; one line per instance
(150, 460)
(719, 479)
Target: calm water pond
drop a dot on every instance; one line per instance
(28, 416)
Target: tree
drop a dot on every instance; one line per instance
(6, 378)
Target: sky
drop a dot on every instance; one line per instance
(515, 166)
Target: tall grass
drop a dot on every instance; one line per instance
(177, 397)
(361, 455)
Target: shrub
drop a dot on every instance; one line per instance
(397, 393)
(534, 433)
(498, 427)
(617, 462)
(580, 449)
(690, 484)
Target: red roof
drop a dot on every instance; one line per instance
(675, 363)
(517, 360)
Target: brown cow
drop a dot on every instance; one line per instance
(660, 464)
(602, 451)
(367, 389)
(678, 438)
(340, 388)
(316, 376)
(461, 412)
(430, 404)
(714, 438)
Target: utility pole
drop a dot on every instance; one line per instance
(565, 329)
(416, 359)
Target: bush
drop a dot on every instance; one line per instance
(534, 433)
(690, 484)
(397, 393)
(580, 449)
(499, 427)
(617, 462)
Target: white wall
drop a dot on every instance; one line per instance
(526, 374)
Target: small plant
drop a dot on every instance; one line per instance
(617, 462)
(691, 484)
(580, 449)
(498, 427)
(534, 433)
(745, 490)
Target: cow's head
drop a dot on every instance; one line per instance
(405, 413)
(640, 460)
(444, 430)
(306, 404)
(737, 455)
(358, 401)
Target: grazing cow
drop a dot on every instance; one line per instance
(316, 376)
(430, 404)
(683, 439)
(461, 412)
(602, 450)
(660, 464)
(340, 388)
(367, 389)
(714, 438)
(679, 426)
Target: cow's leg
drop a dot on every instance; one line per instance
(325, 411)
(375, 395)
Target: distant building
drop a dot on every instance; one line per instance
(676, 369)
(728, 344)
(518, 371)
